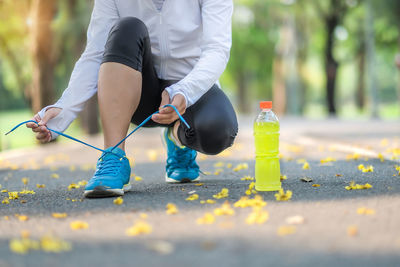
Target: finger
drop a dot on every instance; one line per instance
(165, 118)
(40, 129)
(166, 110)
(168, 121)
(41, 136)
(31, 125)
(47, 138)
(164, 99)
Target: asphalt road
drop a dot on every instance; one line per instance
(332, 233)
(322, 239)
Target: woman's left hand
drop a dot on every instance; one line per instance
(168, 115)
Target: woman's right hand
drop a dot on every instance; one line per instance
(42, 133)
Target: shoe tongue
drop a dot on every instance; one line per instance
(114, 151)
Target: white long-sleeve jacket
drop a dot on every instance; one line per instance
(190, 41)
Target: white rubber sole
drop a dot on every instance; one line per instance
(184, 180)
(105, 192)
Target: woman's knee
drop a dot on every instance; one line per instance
(130, 26)
(126, 43)
(216, 134)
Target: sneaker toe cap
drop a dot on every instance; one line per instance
(183, 174)
(110, 183)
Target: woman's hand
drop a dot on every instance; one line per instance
(168, 115)
(42, 134)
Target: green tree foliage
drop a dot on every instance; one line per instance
(260, 65)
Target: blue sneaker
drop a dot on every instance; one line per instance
(111, 177)
(181, 162)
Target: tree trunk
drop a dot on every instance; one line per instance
(360, 93)
(371, 59)
(331, 65)
(42, 13)
(398, 73)
(278, 86)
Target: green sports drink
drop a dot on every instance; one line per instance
(266, 136)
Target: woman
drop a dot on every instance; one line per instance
(141, 55)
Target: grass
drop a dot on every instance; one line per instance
(23, 137)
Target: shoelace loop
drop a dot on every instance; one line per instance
(94, 147)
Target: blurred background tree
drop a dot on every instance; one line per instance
(312, 58)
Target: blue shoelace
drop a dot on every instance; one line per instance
(110, 166)
(102, 150)
(181, 157)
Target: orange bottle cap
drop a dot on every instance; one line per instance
(265, 104)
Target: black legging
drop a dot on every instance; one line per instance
(212, 119)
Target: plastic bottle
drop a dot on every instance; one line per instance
(266, 136)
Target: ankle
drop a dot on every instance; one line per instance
(174, 133)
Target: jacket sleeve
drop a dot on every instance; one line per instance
(215, 49)
(83, 82)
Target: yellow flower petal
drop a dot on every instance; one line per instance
(354, 186)
(55, 176)
(118, 201)
(326, 160)
(241, 166)
(316, 185)
(192, 197)
(354, 156)
(365, 211)
(286, 230)
(282, 196)
(78, 225)
(306, 166)
(208, 218)
(139, 228)
(222, 194)
(40, 185)
(59, 215)
(152, 154)
(13, 195)
(22, 246)
(171, 209)
(55, 245)
(27, 192)
(73, 186)
(352, 230)
(25, 180)
(258, 216)
(245, 202)
(138, 178)
(247, 178)
(82, 183)
(225, 209)
(219, 164)
(369, 168)
(22, 218)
